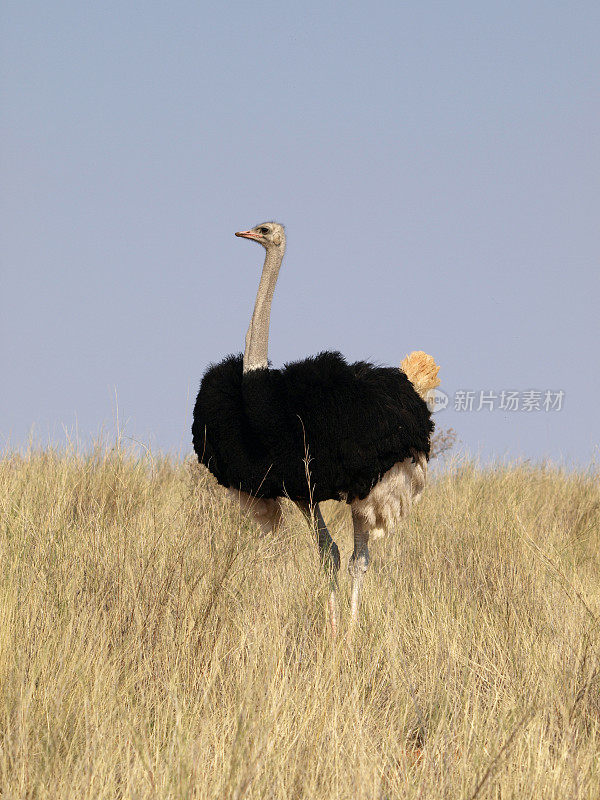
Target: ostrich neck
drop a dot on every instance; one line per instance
(256, 353)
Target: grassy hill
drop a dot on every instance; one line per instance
(152, 645)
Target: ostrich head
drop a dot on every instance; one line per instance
(269, 234)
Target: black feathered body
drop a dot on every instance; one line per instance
(344, 425)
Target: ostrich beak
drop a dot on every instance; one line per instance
(247, 234)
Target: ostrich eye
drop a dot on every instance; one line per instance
(263, 230)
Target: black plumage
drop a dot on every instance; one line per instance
(353, 422)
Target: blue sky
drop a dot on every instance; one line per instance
(436, 166)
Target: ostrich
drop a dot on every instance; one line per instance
(315, 430)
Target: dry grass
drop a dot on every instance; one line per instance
(152, 646)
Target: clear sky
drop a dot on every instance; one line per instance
(436, 165)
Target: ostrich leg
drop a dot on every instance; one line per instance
(330, 556)
(359, 561)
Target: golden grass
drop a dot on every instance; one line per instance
(153, 646)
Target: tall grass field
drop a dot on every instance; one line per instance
(153, 645)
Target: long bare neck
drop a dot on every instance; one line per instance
(256, 354)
